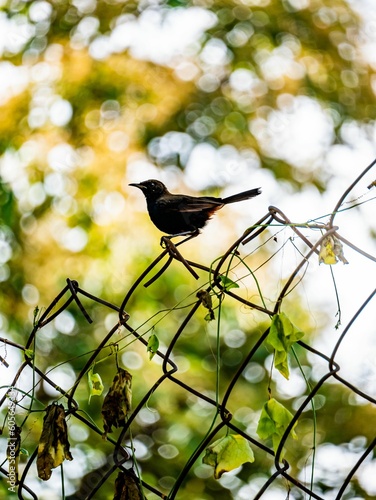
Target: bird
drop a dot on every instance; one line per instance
(181, 214)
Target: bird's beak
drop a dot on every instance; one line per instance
(139, 186)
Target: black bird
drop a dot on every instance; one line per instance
(181, 214)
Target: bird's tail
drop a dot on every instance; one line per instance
(245, 195)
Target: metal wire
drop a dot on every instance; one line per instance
(121, 456)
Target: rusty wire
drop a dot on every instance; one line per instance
(73, 293)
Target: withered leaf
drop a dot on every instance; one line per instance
(53, 446)
(206, 301)
(118, 400)
(331, 250)
(127, 488)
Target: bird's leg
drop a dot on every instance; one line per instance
(190, 234)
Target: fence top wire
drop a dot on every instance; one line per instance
(300, 473)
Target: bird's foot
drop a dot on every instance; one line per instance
(166, 240)
(175, 254)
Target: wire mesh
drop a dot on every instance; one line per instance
(284, 472)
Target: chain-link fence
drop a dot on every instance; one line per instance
(270, 462)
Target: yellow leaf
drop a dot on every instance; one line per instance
(331, 251)
(228, 453)
(95, 384)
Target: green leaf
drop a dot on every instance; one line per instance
(23, 451)
(210, 316)
(153, 344)
(227, 283)
(29, 354)
(281, 337)
(36, 314)
(274, 420)
(228, 453)
(95, 383)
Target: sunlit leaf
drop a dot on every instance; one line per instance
(228, 453)
(153, 344)
(331, 251)
(227, 283)
(29, 353)
(283, 334)
(95, 384)
(274, 420)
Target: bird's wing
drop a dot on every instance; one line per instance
(193, 204)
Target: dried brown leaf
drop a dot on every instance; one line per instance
(53, 446)
(127, 488)
(118, 400)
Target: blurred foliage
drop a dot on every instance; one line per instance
(85, 110)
